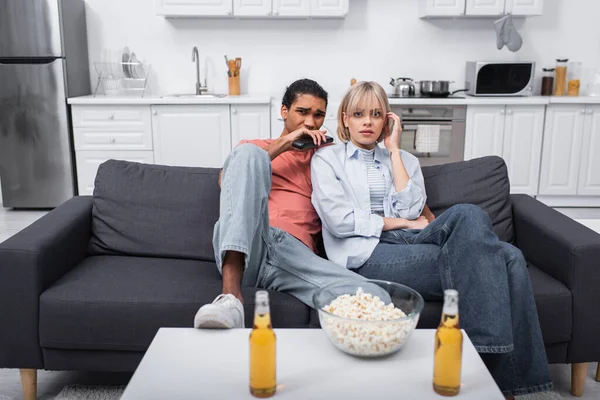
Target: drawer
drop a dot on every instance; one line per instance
(112, 128)
(89, 161)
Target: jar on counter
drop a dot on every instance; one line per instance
(574, 76)
(547, 81)
(561, 77)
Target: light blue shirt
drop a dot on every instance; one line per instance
(342, 200)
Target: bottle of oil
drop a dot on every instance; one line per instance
(447, 358)
(263, 379)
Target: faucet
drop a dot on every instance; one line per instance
(196, 58)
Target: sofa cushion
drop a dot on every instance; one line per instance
(482, 181)
(119, 303)
(153, 210)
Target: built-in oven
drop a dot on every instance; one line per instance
(441, 128)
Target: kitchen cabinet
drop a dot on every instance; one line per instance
(525, 7)
(479, 8)
(194, 8)
(252, 8)
(329, 8)
(191, 135)
(562, 147)
(589, 167)
(484, 7)
(441, 8)
(89, 161)
(514, 133)
(291, 8)
(249, 121)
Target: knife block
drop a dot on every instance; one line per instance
(234, 85)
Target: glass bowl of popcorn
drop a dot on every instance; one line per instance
(369, 318)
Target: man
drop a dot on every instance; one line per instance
(268, 230)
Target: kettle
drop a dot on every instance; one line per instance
(403, 87)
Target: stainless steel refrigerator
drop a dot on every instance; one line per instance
(43, 61)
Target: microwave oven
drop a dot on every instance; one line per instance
(499, 78)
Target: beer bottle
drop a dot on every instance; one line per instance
(263, 379)
(447, 358)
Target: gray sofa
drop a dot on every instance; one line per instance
(87, 286)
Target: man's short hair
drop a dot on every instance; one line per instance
(300, 87)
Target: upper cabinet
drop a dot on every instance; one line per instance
(253, 8)
(190, 8)
(525, 7)
(479, 8)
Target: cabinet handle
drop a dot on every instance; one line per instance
(234, 110)
(502, 112)
(583, 111)
(111, 116)
(275, 12)
(229, 12)
(590, 112)
(155, 112)
(509, 112)
(113, 140)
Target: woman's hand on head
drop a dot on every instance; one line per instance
(391, 140)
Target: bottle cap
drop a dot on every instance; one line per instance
(261, 296)
(450, 302)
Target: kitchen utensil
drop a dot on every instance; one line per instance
(437, 88)
(238, 66)
(125, 60)
(231, 66)
(135, 69)
(403, 87)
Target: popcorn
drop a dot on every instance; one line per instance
(370, 334)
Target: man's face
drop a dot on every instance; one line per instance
(306, 112)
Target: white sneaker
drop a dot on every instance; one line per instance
(225, 312)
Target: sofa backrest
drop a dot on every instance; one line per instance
(481, 181)
(154, 211)
(160, 211)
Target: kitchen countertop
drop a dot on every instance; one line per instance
(470, 100)
(155, 99)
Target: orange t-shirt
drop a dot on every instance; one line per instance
(290, 206)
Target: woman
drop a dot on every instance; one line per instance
(370, 202)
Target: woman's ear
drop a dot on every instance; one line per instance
(345, 119)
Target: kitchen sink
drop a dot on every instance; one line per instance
(196, 96)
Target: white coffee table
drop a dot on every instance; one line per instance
(184, 363)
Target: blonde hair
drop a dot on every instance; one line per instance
(359, 94)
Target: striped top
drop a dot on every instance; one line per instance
(376, 180)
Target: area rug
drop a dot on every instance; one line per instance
(82, 392)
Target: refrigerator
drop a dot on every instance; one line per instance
(43, 61)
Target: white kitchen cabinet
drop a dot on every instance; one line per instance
(441, 8)
(328, 8)
(252, 8)
(194, 8)
(522, 147)
(291, 8)
(89, 161)
(485, 7)
(525, 7)
(191, 135)
(589, 168)
(514, 133)
(479, 8)
(561, 150)
(484, 131)
(249, 121)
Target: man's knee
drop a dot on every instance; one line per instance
(248, 156)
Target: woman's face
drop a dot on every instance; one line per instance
(365, 124)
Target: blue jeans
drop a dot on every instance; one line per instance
(459, 250)
(274, 259)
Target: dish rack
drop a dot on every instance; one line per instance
(122, 78)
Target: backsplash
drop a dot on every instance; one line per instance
(378, 39)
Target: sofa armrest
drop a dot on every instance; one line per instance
(570, 253)
(30, 262)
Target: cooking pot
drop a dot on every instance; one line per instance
(437, 88)
(403, 87)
